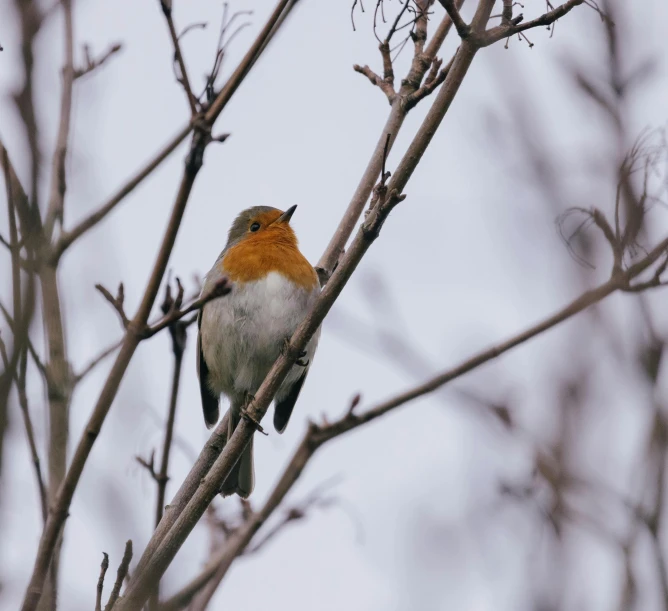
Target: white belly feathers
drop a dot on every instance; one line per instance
(261, 314)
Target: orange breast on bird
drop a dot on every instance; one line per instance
(270, 251)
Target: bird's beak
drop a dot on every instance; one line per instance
(287, 215)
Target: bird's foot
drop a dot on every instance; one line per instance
(246, 414)
(285, 351)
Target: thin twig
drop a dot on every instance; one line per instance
(67, 238)
(166, 6)
(317, 435)
(221, 288)
(193, 163)
(515, 26)
(58, 178)
(170, 542)
(120, 576)
(100, 581)
(178, 332)
(116, 302)
(419, 66)
(93, 63)
(96, 361)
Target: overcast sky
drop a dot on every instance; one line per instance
(471, 257)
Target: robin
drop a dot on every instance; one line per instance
(240, 336)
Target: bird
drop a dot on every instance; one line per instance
(241, 335)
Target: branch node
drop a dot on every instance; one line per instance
(116, 302)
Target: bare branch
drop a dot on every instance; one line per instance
(100, 582)
(433, 80)
(68, 237)
(120, 576)
(384, 86)
(58, 177)
(155, 566)
(178, 331)
(419, 66)
(96, 361)
(93, 63)
(317, 435)
(182, 77)
(463, 28)
(515, 26)
(193, 163)
(149, 465)
(30, 434)
(116, 302)
(221, 288)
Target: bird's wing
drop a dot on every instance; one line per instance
(283, 408)
(209, 400)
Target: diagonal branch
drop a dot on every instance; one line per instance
(318, 435)
(390, 196)
(120, 576)
(93, 63)
(463, 28)
(68, 237)
(419, 66)
(96, 361)
(515, 27)
(182, 77)
(193, 163)
(219, 289)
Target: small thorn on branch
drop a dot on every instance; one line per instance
(116, 302)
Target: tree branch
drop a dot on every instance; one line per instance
(92, 63)
(419, 66)
(385, 86)
(515, 26)
(131, 340)
(58, 177)
(120, 576)
(463, 28)
(100, 582)
(182, 78)
(221, 288)
(96, 361)
(178, 331)
(116, 302)
(139, 589)
(68, 237)
(318, 435)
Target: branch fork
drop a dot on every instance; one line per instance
(116, 302)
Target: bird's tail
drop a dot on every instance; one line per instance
(241, 479)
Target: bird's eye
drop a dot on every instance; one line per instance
(255, 226)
